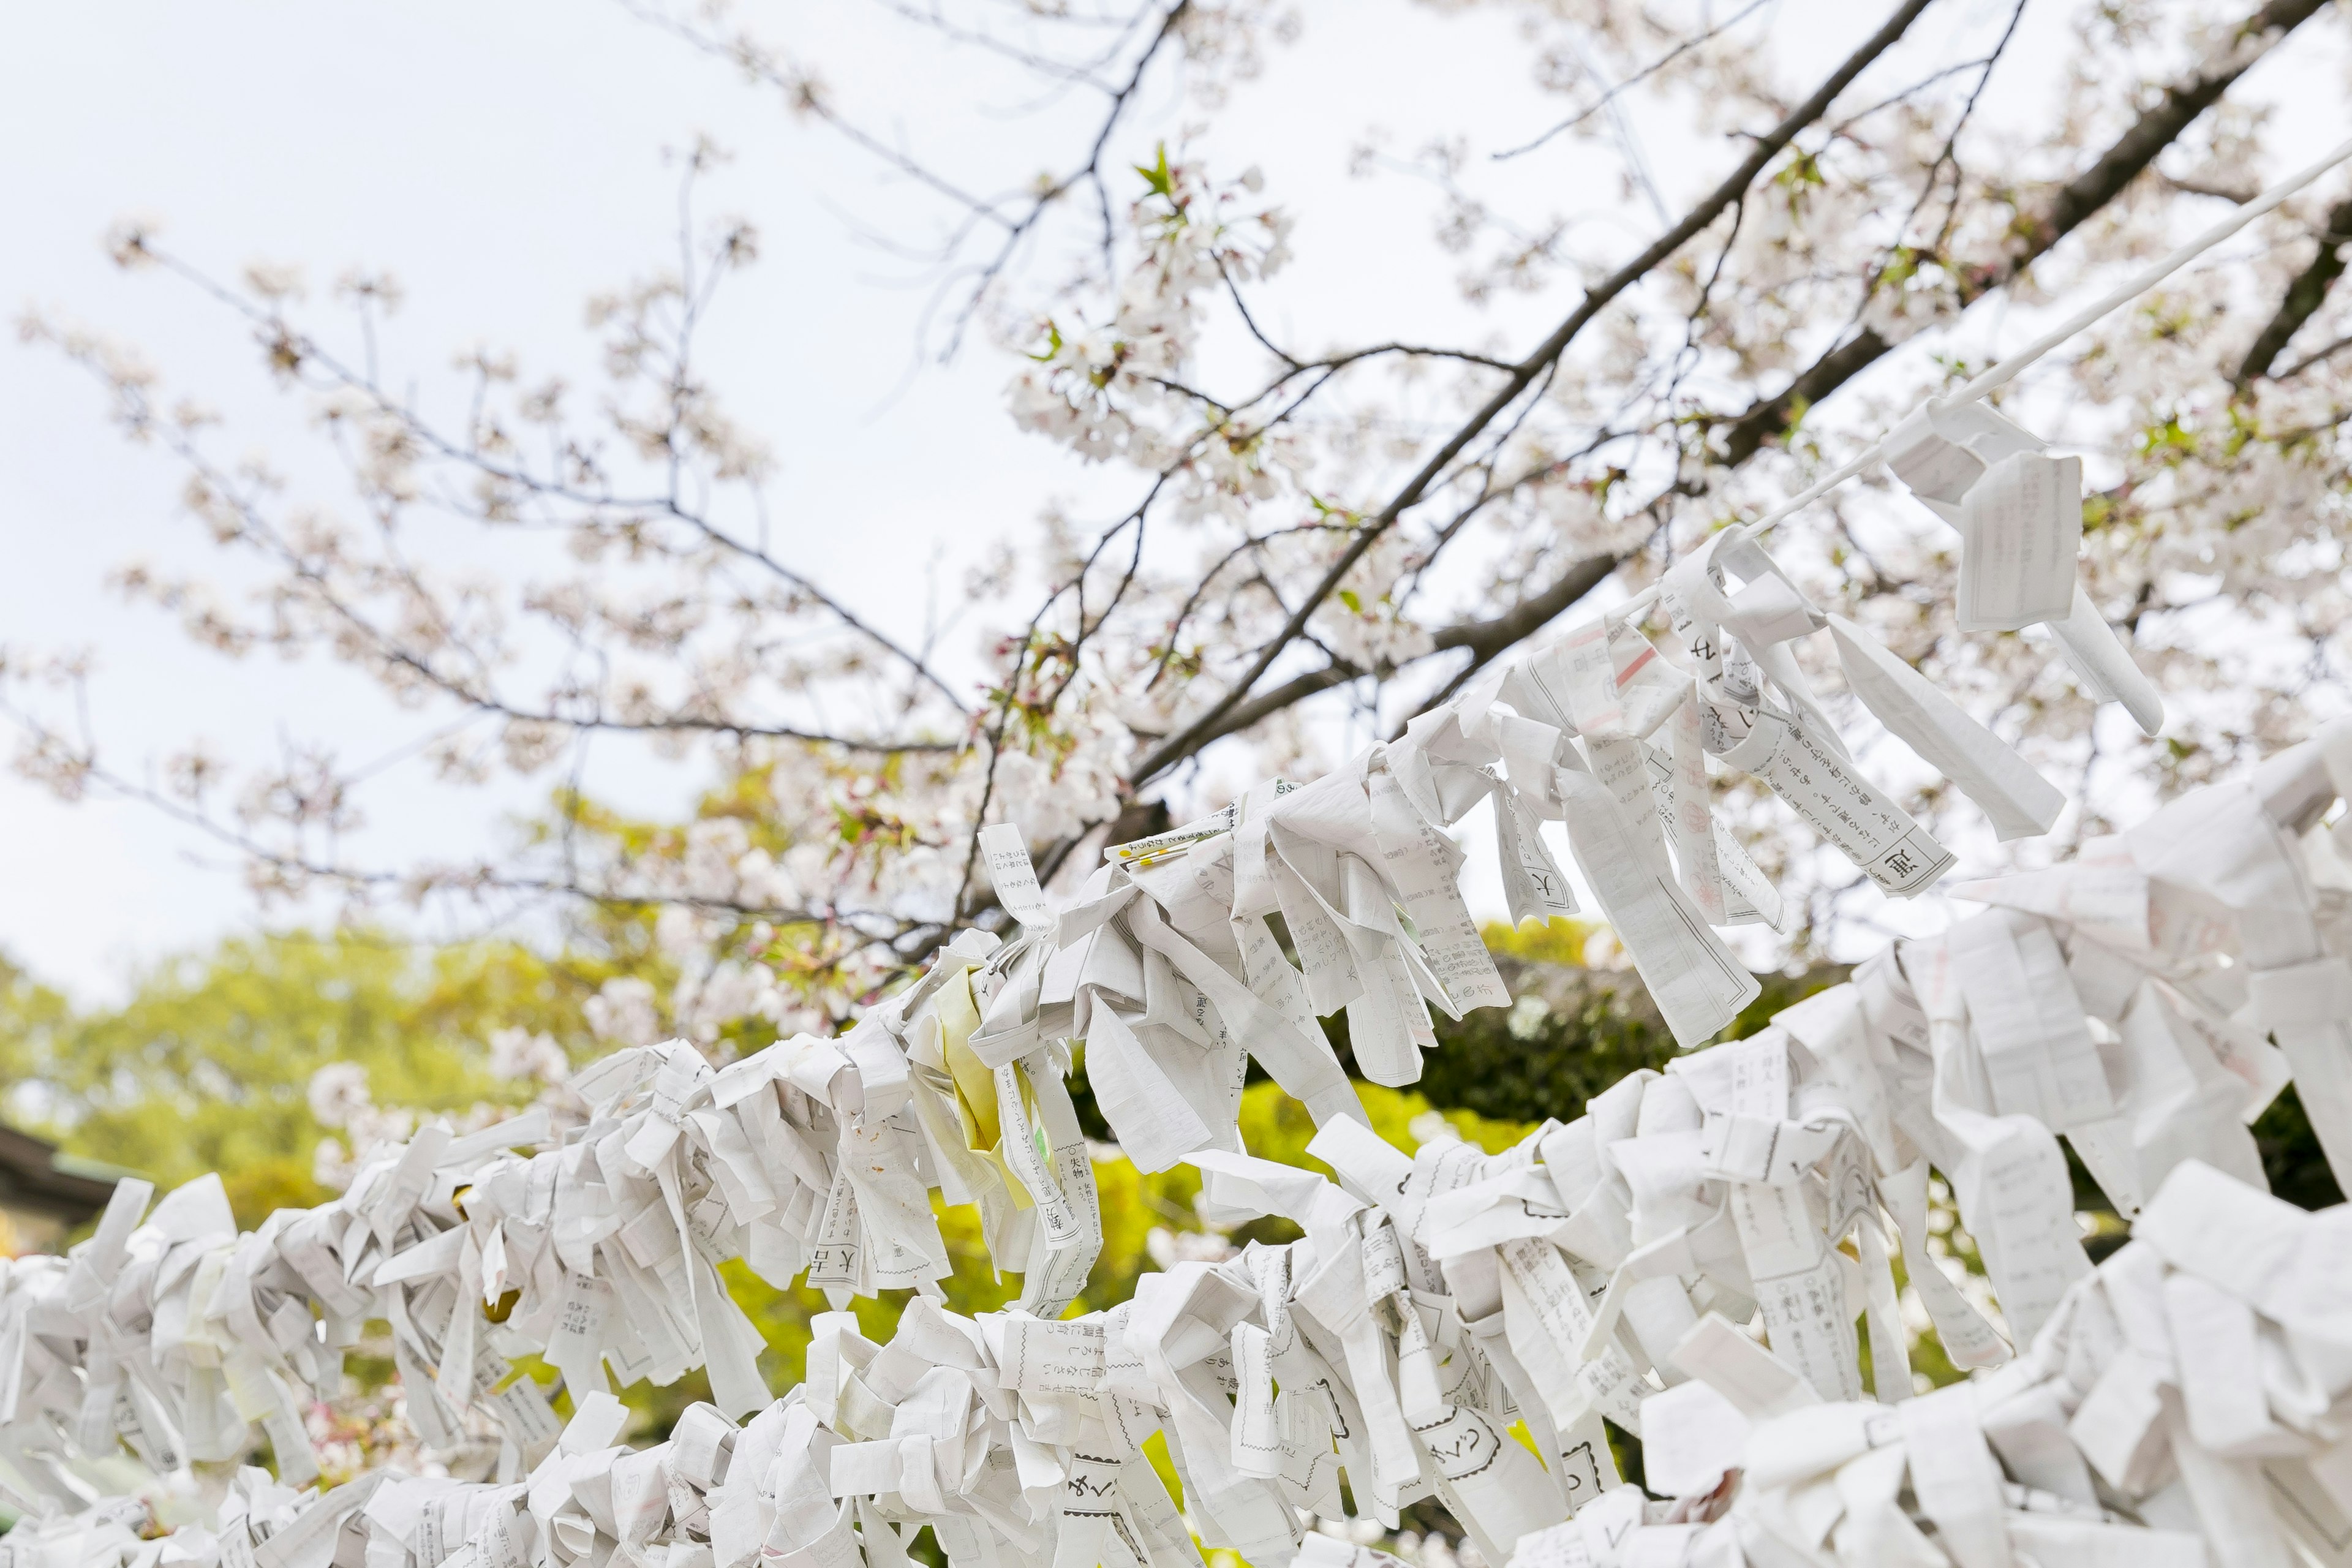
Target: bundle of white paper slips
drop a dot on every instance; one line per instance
(1687, 1259)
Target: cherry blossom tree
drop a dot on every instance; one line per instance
(1322, 539)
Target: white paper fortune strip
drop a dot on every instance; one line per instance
(2020, 515)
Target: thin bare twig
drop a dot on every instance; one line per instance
(1647, 71)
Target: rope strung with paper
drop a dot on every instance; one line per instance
(1688, 1259)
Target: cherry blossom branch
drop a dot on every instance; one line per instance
(1733, 188)
(2073, 205)
(75, 765)
(259, 529)
(302, 351)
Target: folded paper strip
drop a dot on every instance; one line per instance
(1699, 1260)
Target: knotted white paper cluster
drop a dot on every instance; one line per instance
(2186, 1405)
(1688, 1259)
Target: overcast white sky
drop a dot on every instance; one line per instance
(505, 162)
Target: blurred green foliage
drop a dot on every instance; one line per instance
(207, 1065)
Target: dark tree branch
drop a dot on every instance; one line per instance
(2304, 296)
(1486, 640)
(2074, 206)
(2324, 352)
